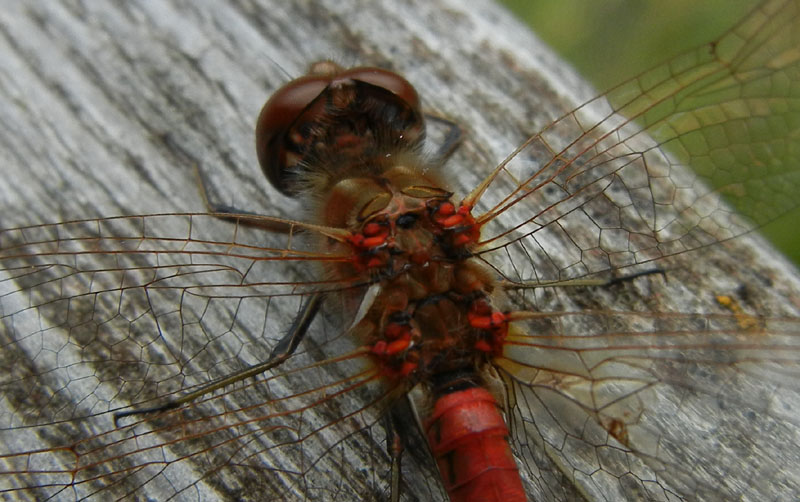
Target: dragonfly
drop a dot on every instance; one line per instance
(107, 315)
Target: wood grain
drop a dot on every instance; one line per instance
(110, 107)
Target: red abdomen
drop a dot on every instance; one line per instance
(469, 441)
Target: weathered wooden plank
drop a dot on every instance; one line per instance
(109, 109)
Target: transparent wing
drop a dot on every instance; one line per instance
(101, 315)
(104, 315)
(610, 184)
(642, 405)
(682, 407)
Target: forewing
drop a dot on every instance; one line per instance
(609, 185)
(110, 315)
(656, 406)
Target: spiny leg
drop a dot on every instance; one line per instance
(395, 447)
(602, 283)
(232, 213)
(452, 138)
(280, 353)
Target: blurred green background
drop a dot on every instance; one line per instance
(609, 41)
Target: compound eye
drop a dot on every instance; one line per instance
(387, 80)
(287, 120)
(276, 117)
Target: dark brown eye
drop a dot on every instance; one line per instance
(275, 119)
(384, 79)
(295, 117)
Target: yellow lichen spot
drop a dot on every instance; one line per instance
(744, 320)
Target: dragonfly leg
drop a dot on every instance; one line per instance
(232, 213)
(636, 275)
(601, 283)
(395, 447)
(280, 353)
(452, 138)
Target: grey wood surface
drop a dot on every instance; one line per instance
(110, 107)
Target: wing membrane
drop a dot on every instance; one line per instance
(609, 184)
(101, 315)
(682, 396)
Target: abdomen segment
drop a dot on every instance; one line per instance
(469, 440)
